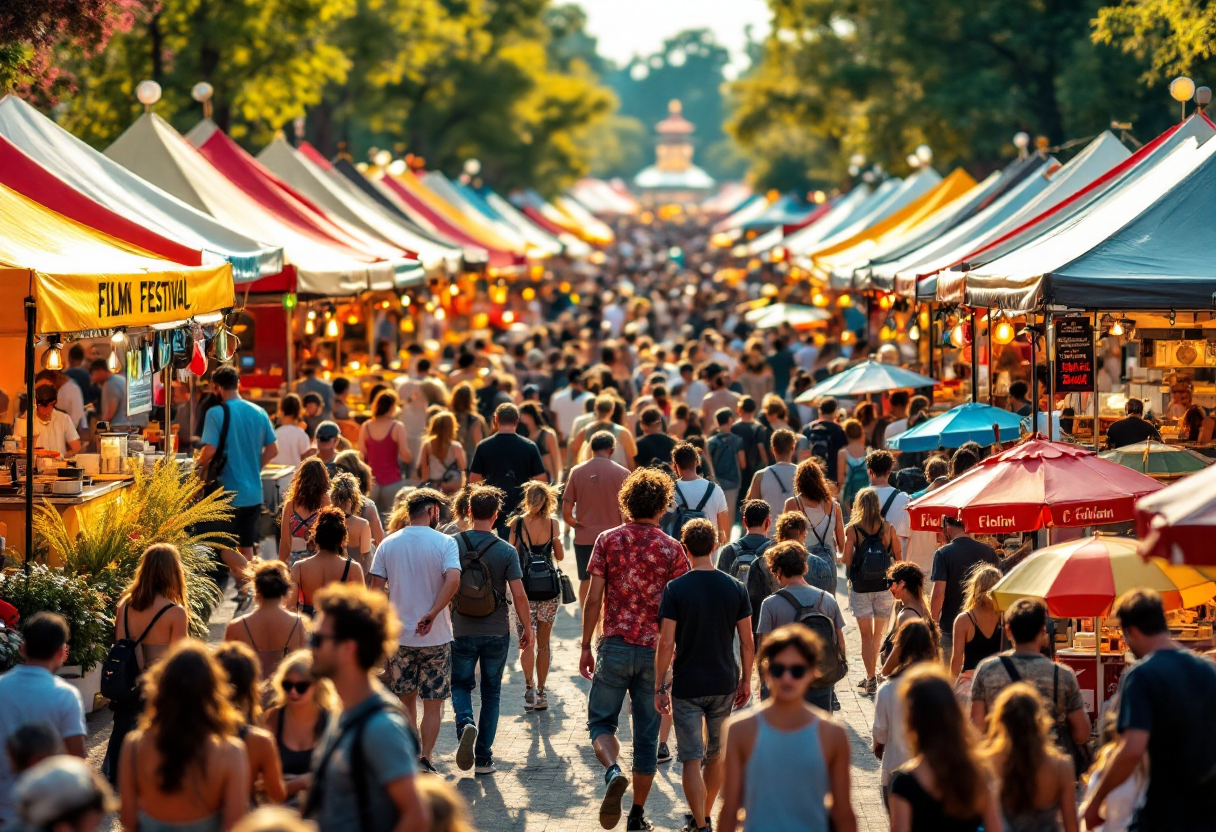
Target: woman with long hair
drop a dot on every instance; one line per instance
(1037, 783)
(269, 625)
(301, 707)
(331, 563)
(183, 769)
(244, 672)
(944, 787)
(813, 498)
(977, 631)
(306, 496)
(757, 377)
(384, 444)
(344, 494)
(784, 757)
(871, 603)
(679, 421)
(915, 643)
(535, 533)
(850, 457)
(442, 462)
(470, 427)
(531, 417)
(152, 613)
(911, 603)
(353, 464)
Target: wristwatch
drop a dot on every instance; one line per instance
(661, 690)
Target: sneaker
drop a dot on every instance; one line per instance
(614, 789)
(690, 824)
(484, 768)
(426, 765)
(530, 696)
(664, 753)
(542, 704)
(638, 823)
(464, 753)
(872, 686)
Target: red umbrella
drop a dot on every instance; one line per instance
(1035, 484)
(1178, 523)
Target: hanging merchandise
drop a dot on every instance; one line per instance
(224, 344)
(183, 347)
(162, 350)
(198, 359)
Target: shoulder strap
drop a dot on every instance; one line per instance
(793, 602)
(1055, 690)
(345, 572)
(248, 632)
(709, 491)
(975, 624)
(286, 650)
(680, 497)
(1007, 662)
(314, 794)
(827, 528)
(772, 470)
(219, 449)
(890, 499)
(151, 624)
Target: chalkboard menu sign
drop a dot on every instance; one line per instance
(1074, 355)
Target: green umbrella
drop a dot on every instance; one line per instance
(1159, 460)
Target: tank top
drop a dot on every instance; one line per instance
(270, 658)
(382, 456)
(619, 455)
(821, 531)
(786, 780)
(980, 646)
(1046, 819)
(306, 603)
(440, 469)
(300, 527)
(298, 762)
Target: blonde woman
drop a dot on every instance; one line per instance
(344, 494)
(152, 612)
(301, 708)
(534, 533)
(449, 812)
(977, 631)
(442, 462)
(869, 537)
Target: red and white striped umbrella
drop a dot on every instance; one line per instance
(1178, 523)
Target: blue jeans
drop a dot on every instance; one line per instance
(467, 651)
(622, 668)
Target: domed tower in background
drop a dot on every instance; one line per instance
(673, 178)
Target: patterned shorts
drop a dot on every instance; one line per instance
(427, 670)
(545, 611)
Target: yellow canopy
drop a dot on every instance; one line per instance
(861, 245)
(84, 279)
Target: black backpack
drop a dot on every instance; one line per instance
(750, 570)
(911, 480)
(683, 513)
(542, 581)
(819, 437)
(872, 557)
(832, 665)
(476, 597)
(120, 672)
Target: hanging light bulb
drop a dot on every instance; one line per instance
(1003, 332)
(844, 301)
(528, 293)
(440, 314)
(923, 319)
(405, 301)
(819, 299)
(312, 314)
(112, 363)
(1116, 328)
(331, 328)
(914, 332)
(310, 326)
(118, 336)
(352, 319)
(957, 337)
(847, 337)
(453, 290)
(886, 333)
(54, 354)
(508, 317)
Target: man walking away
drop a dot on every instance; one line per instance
(1165, 702)
(895, 508)
(824, 436)
(420, 569)
(743, 559)
(481, 638)
(754, 437)
(364, 769)
(506, 461)
(728, 458)
(952, 567)
(699, 616)
(311, 384)
(630, 567)
(696, 496)
(589, 502)
(654, 445)
(1026, 625)
(249, 443)
(775, 484)
(567, 404)
(32, 693)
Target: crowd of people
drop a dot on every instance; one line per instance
(652, 433)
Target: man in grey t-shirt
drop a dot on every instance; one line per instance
(485, 640)
(363, 772)
(113, 405)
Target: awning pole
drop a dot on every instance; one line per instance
(1100, 682)
(31, 315)
(975, 361)
(1051, 375)
(991, 369)
(1034, 375)
(1094, 395)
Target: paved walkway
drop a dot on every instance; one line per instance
(548, 777)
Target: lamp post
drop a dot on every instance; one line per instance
(1182, 89)
(1021, 140)
(148, 93)
(202, 92)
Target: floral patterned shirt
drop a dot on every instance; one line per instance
(636, 561)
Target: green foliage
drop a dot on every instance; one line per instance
(159, 508)
(1176, 37)
(879, 77)
(87, 609)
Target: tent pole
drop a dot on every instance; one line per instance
(975, 361)
(1094, 394)
(168, 382)
(31, 316)
(1099, 682)
(991, 369)
(1051, 375)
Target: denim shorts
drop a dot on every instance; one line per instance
(871, 604)
(622, 668)
(691, 716)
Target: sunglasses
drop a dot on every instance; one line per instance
(890, 582)
(299, 687)
(796, 671)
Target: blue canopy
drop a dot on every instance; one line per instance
(790, 209)
(866, 377)
(971, 422)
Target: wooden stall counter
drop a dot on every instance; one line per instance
(75, 509)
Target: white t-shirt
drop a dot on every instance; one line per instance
(897, 514)
(292, 442)
(696, 393)
(567, 407)
(888, 728)
(71, 402)
(414, 561)
(776, 486)
(693, 490)
(54, 435)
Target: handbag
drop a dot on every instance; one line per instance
(211, 476)
(569, 596)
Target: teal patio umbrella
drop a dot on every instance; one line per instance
(971, 422)
(1159, 460)
(866, 377)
